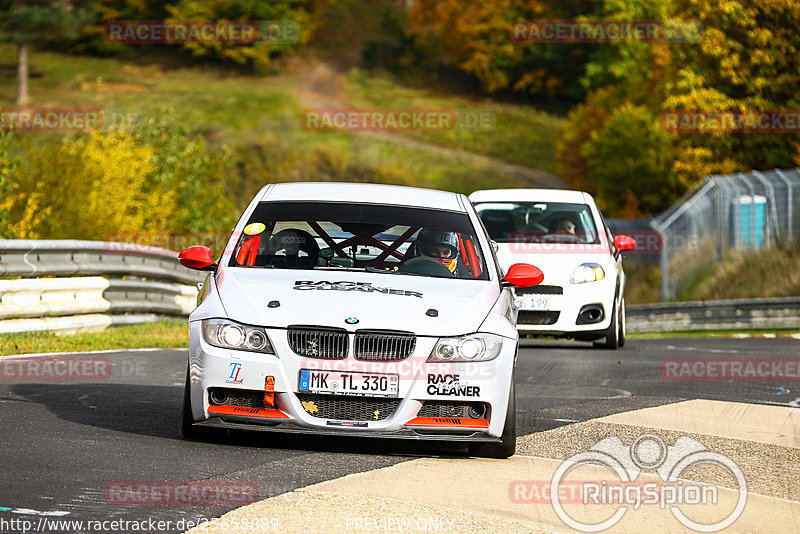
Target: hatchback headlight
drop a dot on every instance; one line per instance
(587, 272)
(471, 348)
(231, 335)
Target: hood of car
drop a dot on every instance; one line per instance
(356, 300)
(557, 262)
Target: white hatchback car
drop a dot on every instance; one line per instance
(356, 309)
(583, 292)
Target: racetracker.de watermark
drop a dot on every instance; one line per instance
(151, 493)
(604, 31)
(131, 242)
(731, 121)
(724, 369)
(176, 32)
(55, 368)
(382, 119)
(51, 120)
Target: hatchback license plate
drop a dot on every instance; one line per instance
(534, 303)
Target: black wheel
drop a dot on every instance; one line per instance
(508, 445)
(611, 340)
(622, 328)
(188, 430)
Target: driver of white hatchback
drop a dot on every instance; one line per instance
(562, 226)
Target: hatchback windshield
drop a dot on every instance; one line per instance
(374, 238)
(538, 222)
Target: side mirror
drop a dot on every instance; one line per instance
(623, 242)
(199, 258)
(523, 275)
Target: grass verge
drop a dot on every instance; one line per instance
(717, 333)
(516, 134)
(257, 117)
(161, 334)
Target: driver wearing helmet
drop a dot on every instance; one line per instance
(442, 246)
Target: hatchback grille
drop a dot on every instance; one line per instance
(317, 342)
(540, 290)
(384, 345)
(345, 408)
(537, 317)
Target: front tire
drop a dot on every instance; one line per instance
(611, 340)
(623, 333)
(188, 430)
(508, 445)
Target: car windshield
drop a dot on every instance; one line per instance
(374, 238)
(538, 222)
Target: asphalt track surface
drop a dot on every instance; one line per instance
(63, 442)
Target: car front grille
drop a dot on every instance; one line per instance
(318, 342)
(383, 345)
(537, 317)
(540, 290)
(347, 408)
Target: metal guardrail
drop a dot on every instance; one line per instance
(767, 313)
(140, 283)
(34, 258)
(137, 282)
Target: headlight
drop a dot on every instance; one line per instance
(471, 348)
(587, 272)
(230, 335)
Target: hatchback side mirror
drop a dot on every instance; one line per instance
(624, 242)
(523, 275)
(199, 258)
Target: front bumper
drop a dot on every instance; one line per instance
(418, 412)
(561, 317)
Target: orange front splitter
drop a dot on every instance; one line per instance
(448, 422)
(265, 413)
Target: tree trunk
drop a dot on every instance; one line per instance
(22, 74)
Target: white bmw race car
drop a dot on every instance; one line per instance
(583, 292)
(356, 309)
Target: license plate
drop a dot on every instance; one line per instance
(346, 383)
(534, 303)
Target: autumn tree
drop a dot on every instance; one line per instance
(27, 22)
(477, 37)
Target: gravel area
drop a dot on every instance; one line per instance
(769, 470)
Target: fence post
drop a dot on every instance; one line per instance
(789, 219)
(664, 257)
(719, 222)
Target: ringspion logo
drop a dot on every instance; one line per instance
(624, 490)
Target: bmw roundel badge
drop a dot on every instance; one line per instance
(351, 320)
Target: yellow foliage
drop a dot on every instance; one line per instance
(89, 187)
